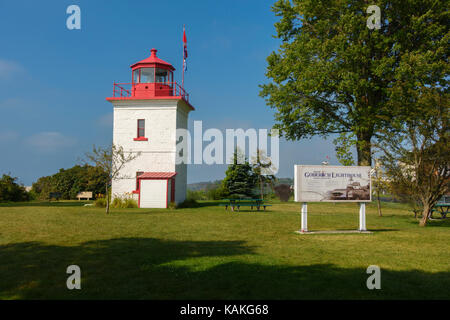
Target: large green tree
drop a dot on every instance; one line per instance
(417, 158)
(69, 182)
(334, 75)
(10, 190)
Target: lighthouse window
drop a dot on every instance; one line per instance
(161, 75)
(147, 75)
(141, 128)
(136, 76)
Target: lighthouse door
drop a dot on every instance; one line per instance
(153, 194)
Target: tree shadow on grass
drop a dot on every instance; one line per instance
(435, 222)
(202, 204)
(146, 268)
(45, 204)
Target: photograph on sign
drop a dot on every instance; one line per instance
(323, 183)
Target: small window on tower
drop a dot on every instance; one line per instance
(141, 128)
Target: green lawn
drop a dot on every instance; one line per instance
(210, 253)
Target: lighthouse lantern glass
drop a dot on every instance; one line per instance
(161, 75)
(147, 75)
(136, 76)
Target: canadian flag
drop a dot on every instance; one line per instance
(185, 53)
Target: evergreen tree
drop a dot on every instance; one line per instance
(240, 180)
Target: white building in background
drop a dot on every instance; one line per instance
(147, 113)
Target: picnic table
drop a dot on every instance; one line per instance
(245, 202)
(442, 208)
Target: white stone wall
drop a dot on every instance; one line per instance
(162, 118)
(181, 169)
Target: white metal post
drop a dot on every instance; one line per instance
(304, 217)
(362, 216)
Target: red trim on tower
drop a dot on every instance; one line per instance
(139, 198)
(140, 139)
(111, 99)
(157, 175)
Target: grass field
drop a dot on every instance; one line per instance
(210, 253)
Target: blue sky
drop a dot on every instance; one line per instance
(53, 81)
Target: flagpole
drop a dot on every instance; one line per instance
(182, 81)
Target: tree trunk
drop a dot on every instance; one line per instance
(107, 200)
(363, 149)
(379, 204)
(260, 186)
(425, 216)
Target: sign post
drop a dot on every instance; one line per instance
(362, 216)
(324, 183)
(304, 217)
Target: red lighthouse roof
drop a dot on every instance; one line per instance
(153, 60)
(151, 78)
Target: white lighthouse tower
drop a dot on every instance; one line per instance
(147, 113)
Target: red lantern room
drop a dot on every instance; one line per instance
(152, 78)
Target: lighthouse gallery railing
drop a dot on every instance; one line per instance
(127, 90)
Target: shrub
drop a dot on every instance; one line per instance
(124, 203)
(129, 203)
(188, 203)
(215, 193)
(197, 195)
(283, 191)
(100, 203)
(117, 203)
(172, 206)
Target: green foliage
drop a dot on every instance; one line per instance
(343, 144)
(129, 203)
(10, 190)
(69, 182)
(123, 203)
(117, 203)
(100, 203)
(196, 194)
(332, 74)
(110, 160)
(263, 169)
(172, 206)
(240, 180)
(216, 193)
(188, 203)
(417, 156)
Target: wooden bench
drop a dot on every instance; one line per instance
(85, 195)
(54, 195)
